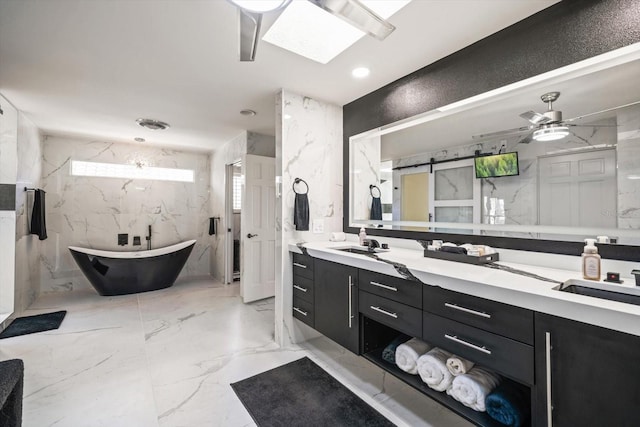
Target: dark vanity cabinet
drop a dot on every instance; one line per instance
(336, 303)
(303, 289)
(585, 375)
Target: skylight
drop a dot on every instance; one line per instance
(115, 170)
(309, 31)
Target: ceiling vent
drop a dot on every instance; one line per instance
(152, 124)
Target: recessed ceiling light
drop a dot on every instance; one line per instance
(286, 116)
(248, 112)
(360, 72)
(308, 30)
(138, 139)
(152, 124)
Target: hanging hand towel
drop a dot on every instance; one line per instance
(301, 212)
(38, 223)
(376, 209)
(433, 369)
(458, 365)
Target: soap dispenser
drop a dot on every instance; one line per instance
(590, 261)
(362, 235)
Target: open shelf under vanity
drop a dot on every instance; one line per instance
(374, 338)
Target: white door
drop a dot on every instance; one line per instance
(578, 190)
(258, 227)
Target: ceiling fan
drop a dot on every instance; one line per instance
(547, 126)
(351, 11)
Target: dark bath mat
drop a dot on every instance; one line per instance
(32, 324)
(301, 393)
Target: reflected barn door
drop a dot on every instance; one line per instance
(578, 190)
(258, 227)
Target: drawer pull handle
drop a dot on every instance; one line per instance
(380, 285)
(300, 288)
(468, 310)
(468, 344)
(297, 264)
(304, 313)
(380, 310)
(350, 302)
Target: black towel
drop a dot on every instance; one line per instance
(301, 212)
(376, 209)
(212, 226)
(38, 223)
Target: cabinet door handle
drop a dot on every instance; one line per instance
(380, 285)
(300, 288)
(467, 344)
(304, 313)
(547, 355)
(468, 310)
(350, 301)
(383, 311)
(297, 264)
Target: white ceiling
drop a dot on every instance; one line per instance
(90, 68)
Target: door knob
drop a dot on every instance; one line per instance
(251, 235)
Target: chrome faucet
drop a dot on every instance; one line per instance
(149, 239)
(373, 244)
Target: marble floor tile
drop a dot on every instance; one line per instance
(166, 359)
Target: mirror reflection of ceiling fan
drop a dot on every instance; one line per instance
(351, 11)
(547, 126)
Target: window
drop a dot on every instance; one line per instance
(115, 170)
(237, 193)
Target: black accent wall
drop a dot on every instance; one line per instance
(567, 32)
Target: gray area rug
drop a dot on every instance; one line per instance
(301, 393)
(32, 324)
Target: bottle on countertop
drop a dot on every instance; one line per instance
(362, 235)
(590, 261)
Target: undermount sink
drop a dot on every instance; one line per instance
(612, 292)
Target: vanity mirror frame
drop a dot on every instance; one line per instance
(469, 76)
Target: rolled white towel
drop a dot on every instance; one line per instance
(472, 388)
(407, 354)
(432, 368)
(458, 365)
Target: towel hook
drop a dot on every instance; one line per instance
(298, 181)
(372, 187)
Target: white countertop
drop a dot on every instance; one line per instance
(494, 284)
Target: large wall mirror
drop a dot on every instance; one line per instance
(563, 178)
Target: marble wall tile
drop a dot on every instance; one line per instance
(91, 211)
(365, 171)
(8, 146)
(28, 246)
(308, 146)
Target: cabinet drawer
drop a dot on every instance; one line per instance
(496, 352)
(394, 288)
(400, 317)
(503, 319)
(303, 288)
(303, 265)
(303, 310)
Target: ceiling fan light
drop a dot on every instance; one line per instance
(260, 6)
(551, 133)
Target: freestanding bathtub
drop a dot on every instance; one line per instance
(121, 273)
